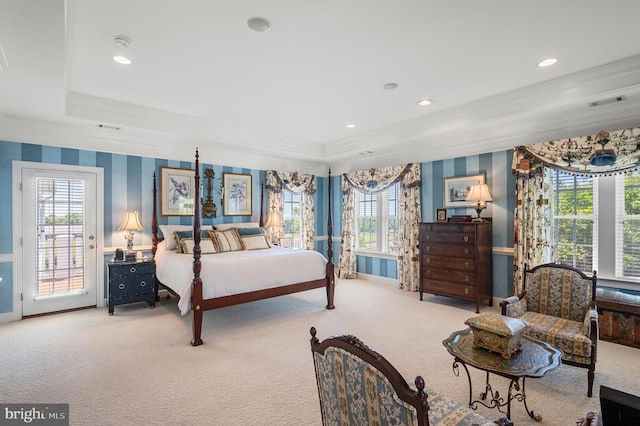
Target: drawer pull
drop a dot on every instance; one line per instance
(143, 283)
(466, 278)
(428, 260)
(133, 269)
(121, 286)
(429, 272)
(466, 291)
(466, 238)
(427, 237)
(427, 248)
(466, 251)
(466, 264)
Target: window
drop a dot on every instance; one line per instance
(596, 223)
(377, 221)
(628, 225)
(291, 215)
(574, 213)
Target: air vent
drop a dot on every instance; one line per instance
(607, 101)
(108, 127)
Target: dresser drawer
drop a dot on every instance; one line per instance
(448, 289)
(449, 250)
(450, 276)
(452, 238)
(457, 263)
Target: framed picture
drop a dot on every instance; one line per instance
(236, 194)
(176, 191)
(457, 188)
(441, 215)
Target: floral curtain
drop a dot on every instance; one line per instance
(604, 153)
(297, 183)
(532, 217)
(377, 180)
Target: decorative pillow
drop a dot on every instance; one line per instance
(167, 233)
(255, 242)
(251, 231)
(180, 235)
(206, 246)
(225, 226)
(228, 240)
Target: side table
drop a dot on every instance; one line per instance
(534, 360)
(131, 281)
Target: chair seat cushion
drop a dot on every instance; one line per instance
(562, 333)
(446, 411)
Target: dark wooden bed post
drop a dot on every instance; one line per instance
(196, 285)
(154, 220)
(262, 205)
(331, 284)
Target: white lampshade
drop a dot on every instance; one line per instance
(131, 221)
(479, 193)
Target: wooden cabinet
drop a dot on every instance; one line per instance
(455, 260)
(131, 282)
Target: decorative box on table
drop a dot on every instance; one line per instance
(497, 333)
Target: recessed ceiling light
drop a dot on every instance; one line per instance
(390, 86)
(351, 125)
(424, 102)
(122, 60)
(547, 62)
(259, 24)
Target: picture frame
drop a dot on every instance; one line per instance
(457, 188)
(441, 215)
(236, 194)
(177, 191)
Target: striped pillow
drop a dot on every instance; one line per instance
(227, 240)
(206, 246)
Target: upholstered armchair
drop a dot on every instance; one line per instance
(358, 386)
(558, 303)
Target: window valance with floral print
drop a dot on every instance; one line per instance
(377, 179)
(292, 181)
(604, 153)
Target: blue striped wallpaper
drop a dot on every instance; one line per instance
(497, 169)
(128, 184)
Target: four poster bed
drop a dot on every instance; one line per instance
(211, 281)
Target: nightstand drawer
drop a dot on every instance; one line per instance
(123, 286)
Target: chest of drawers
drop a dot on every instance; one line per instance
(131, 282)
(455, 260)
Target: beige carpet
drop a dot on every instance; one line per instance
(255, 367)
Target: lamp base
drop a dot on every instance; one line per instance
(478, 219)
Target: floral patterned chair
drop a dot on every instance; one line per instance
(558, 303)
(358, 386)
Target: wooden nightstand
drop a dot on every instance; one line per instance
(131, 282)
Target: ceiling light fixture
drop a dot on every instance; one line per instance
(122, 60)
(547, 62)
(259, 24)
(390, 86)
(351, 125)
(424, 102)
(122, 42)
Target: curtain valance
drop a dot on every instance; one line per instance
(378, 179)
(292, 181)
(604, 153)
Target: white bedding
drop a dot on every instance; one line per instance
(228, 273)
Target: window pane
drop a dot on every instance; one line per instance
(632, 193)
(393, 223)
(631, 248)
(574, 233)
(291, 215)
(367, 222)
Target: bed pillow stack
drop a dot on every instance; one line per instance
(227, 240)
(253, 238)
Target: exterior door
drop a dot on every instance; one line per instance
(59, 238)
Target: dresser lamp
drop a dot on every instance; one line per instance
(480, 195)
(130, 223)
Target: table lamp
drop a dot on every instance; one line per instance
(479, 194)
(130, 223)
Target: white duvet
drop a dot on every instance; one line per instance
(228, 273)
